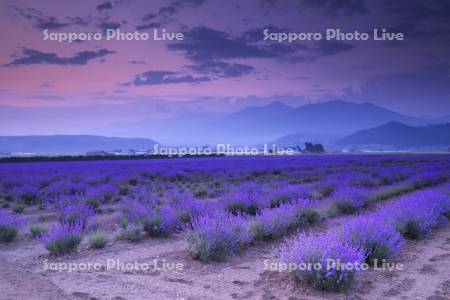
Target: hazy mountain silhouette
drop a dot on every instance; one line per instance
(401, 135)
(69, 144)
(265, 123)
(249, 126)
(440, 120)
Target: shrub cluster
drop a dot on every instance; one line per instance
(274, 223)
(97, 241)
(216, 236)
(62, 239)
(244, 202)
(350, 199)
(77, 213)
(9, 226)
(415, 215)
(374, 236)
(156, 221)
(318, 260)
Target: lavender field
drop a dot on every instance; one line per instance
(300, 227)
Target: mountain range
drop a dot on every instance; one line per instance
(69, 144)
(331, 123)
(254, 125)
(400, 135)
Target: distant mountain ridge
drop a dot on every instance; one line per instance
(401, 135)
(269, 122)
(253, 125)
(70, 144)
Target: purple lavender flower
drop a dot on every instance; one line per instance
(28, 194)
(274, 223)
(320, 260)
(9, 226)
(415, 215)
(103, 193)
(288, 194)
(135, 211)
(62, 239)
(371, 233)
(160, 222)
(245, 202)
(350, 199)
(187, 209)
(76, 213)
(156, 221)
(216, 236)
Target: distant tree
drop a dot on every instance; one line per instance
(314, 148)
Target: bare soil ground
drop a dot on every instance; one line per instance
(23, 274)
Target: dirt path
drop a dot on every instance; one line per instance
(425, 275)
(19, 283)
(22, 274)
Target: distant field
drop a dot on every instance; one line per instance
(227, 228)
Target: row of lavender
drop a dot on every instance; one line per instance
(333, 259)
(262, 198)
(205, 178)
(217, 235)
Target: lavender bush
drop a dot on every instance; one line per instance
(350, 199)
(415, 215)
(76, 213)
(371, 233)
(160, 222)
(129, 231)
(187, 209)
(274, 223)
(62, 239)
(28, 194)
(244, 202)
(157, 221)
(216, 236)
(314, 256)
(9, 226)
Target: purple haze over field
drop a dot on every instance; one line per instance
(222, 65)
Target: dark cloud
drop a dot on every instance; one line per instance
(336, 7)
(203, 44)
(166, 12)
(46, 85)
(137, 62)
(317, 51)
(32, 57)
(165, 77)
(326, 48)
(104, 6)
(222, 69)
(422, 91)
(257, 34)
(419, 19)
(418, 10)
(209, 49)
(149, 17)
(175, 6)
(206, 44)
(40, 20)
(109, 25)
(79, 21)
(148, 26)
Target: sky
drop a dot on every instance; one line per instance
(223, 63)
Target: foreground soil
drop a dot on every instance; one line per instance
(24, 276)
